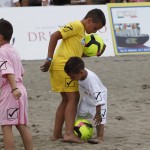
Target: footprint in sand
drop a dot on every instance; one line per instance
(145, 86)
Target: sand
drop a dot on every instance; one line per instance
(127, 79)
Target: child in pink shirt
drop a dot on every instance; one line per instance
(13, 97)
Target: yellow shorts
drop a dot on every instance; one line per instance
(61, 82)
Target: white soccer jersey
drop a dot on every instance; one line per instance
(93, 88)
(8, 3)
(95, 93)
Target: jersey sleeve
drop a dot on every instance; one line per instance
(6, 65)
(70, 29)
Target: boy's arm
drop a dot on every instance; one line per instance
(15, 91)
(98, 118)
(53, 42)
(51, 48)
(102, 51)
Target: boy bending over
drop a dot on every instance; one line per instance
(94, 102)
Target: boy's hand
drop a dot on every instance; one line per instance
(98, 118)
(17, 94)
(46, 66)
(102, 51)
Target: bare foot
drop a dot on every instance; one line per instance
(72, 139)
(93, 141)
(55, 138)
(96, 140)
(101, 139)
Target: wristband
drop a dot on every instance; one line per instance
(14, 89)
(49, 59)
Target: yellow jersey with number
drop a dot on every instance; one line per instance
(71, 44)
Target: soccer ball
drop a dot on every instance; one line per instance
(92, 44)
(83, 129)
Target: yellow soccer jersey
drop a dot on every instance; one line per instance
(72, 35)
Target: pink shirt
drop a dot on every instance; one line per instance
(10, 63)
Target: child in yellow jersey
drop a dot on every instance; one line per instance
(71, 45)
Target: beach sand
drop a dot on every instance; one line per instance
(127, 79)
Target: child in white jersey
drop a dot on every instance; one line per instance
(13, 96)
(94, 102)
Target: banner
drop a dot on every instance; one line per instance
(33, 27)
(130, 27)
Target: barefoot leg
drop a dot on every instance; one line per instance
(72, 138)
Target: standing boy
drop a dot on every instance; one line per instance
(71, 35)
(13, 97)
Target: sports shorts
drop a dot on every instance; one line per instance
(61, 82)
(87, 111)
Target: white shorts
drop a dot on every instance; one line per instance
(87, 110)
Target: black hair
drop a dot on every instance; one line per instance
(6, 29)
(74, 65)
(97, 15)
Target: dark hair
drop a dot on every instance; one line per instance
(74, 65)
(6, 29)
(97, 15)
